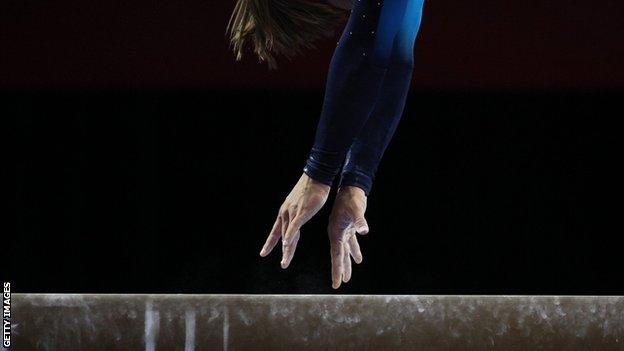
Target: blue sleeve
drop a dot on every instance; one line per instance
(367, 150)
(363, 75)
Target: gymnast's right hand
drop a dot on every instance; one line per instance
(306, 198)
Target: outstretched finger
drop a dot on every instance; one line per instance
(293, 227)
(273, 238)
(354, 248)
(346, 263)
(289, 250)
(337, 253)
(284, 219)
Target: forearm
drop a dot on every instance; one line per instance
(355, 77)
(342, 118)
(368, 148)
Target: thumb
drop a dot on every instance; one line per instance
(361, 226)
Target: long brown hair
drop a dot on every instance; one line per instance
(280, 27)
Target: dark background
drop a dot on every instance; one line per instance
(146, 160)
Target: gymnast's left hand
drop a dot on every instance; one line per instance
(306, 198)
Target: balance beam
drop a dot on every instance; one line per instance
(316, 322)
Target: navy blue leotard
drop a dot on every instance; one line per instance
(367, 84)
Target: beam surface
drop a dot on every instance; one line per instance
(316, 322)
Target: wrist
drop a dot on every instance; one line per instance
(313, 183)
(357, 179)
(323, 166)
(352, 190)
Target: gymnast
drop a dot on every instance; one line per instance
(365, 94)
